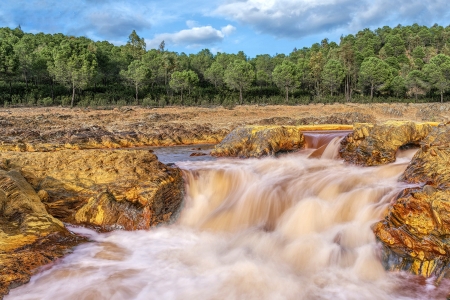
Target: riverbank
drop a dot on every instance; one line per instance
(58, 128)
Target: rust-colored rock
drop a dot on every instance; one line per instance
(432, 162)
(110, 189)
(415, 232)
(256, 141)
(29, 236)
(377, 144)
(97, 137)
(417, 226)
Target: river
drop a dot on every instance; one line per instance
(297, 226)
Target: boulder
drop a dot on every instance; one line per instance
(256, 141)
(415, 232)
(29, 236)
(416, 228)
(107, 189)
(432, 162)
(377, 144)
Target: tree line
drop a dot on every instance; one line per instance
(405, 63)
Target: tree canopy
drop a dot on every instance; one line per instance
(385, 64)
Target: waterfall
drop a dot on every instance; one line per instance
(290, 227)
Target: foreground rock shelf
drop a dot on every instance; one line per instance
(29, 236)
(112, 189)
(103, 189)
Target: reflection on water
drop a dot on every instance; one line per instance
(271, 228)
(176, 154)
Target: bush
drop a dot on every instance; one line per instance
(47, 101)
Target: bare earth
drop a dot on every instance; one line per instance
(34, 129)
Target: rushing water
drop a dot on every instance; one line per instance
(290, 227)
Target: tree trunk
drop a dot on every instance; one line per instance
(371, 92)
(347, 90)
(181, 96)
(442, 97)
(73, 95)
(240, 96)
(287, 95)
(53, 97)
(137, 100)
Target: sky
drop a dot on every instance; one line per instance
(253, 26)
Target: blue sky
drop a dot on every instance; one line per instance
(253, 26)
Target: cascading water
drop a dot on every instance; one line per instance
(273, 228)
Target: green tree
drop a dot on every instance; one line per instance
(394, 45)
(182, 80)
(316, 63)
(374, 73)
(214, 74)
(136, 74)
(333, 74)
(398, 86)
(9, 62)
(136, 45)
(347, 56)
(201, 61)
(264, 66)
(73, 63)
(437, 73)
(239, 75)
(416, 83)
(286, 76)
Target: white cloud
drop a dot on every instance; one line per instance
(298, 18)
(191, 23)
(228, 30)
(192, 38)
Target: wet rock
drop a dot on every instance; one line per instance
(29, 236)
(198, 154)
(109, 189)
(416, 228)
(377, 144)
(415, 232)
(255, 141)
(432, 162)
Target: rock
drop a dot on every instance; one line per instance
(415, 232)
(29, 236)
(432, 162)
(337, 118)
(109, 189)
(416, 228)
(372, 144)
(198, 154)
(97, 137)
(256, 141)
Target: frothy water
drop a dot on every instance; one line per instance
(272, 228)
